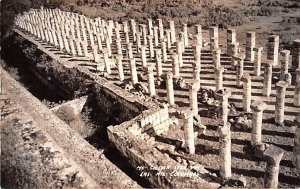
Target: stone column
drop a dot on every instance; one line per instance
(181, 38)
(72, 46)
(273, 156)
(296, 150)
(219, 77)
(250, 44)
(92, 41)
(231, 38)
(129, 50)
(239, 69)
(151, 50)
(150, 78)
(223, 96)
(297, 89)
(106, 60)
(99, 42)
(133, 29)
(144, 29)
(234, 52)
(108, 46)
(225, 150)
(257, 107)
(78, 48)
(85, 49)
(119, 46)
(143, 56)
(198, 29)
(95, 54)
(267, 87)
(284, 63)
(164, 49)
(138, 42)
(296, 54)
(196, 73)
(193, 96)
(216, 56)
(273, 46)
(158, 63)
(160, 28)
(199, 40)
(197, 54)
(150, 25)
(175, 65)
(280, 101)
(173, 31)
(60, 41)
(257, 63)
(246, 79)
(214, 37)
(168, 34)
(189, 136)
(133, 71)
(185, 34)
(179, 52)
(125, 30)
(170, 89)
(155, 36)
(119, 58)
(66, 44)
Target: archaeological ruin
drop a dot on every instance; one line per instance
(183, 109)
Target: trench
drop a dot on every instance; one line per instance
(19, 59)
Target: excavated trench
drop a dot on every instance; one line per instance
(53, 85)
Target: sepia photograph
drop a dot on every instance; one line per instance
(156, 94)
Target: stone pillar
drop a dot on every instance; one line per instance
(158, 63)
(219, 77)
(106, 60)
(95, 54)
(129, 50)
(296, 150)
(197, 54)
(198, 29)
(231, 38)
(250, 44)
(144, 29)
(143, 56)
(257, 107)
(66, 44)
(199, 39)
(179, 52)
(257, 63)
(296, 54)
(138, 42)
(133, 71)
(72, 46)
(297, 89)
(267, 87)
(150, 25)
(175, 65)
(119, 58)
(155, 36)
(239, 69)
(160, 28)
(181, 38)
(60, 41)
(193, 96)
(99, 41)
(189, 136)
(150, 78)
(133, 29)
(170, 89)
(173, 31)
(214, 37)
(223, 96)
(216, 56)
(185, 34)
(284, 63)
(273, 46)
(196, 73)
(92, 41)
(119, 46)
(273, 156)
(125, 30)
(234, 52)
(225, 150)
(108, 46)
(85, 49)
(164, 50)
(78, 48)
(280, 101)
(168, 37)
(151, 50)
(246, 79)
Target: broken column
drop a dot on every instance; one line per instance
(143, 56)
(175, 65)
(246, 79)
(196, 73)
(214, 37)
(233, 52)
(193, 91)
(250, 44)
(160, 28)
(239, 68)
(296, 54)
(158, 63)
(150, 78)
(219, 77)
(95, 53)
(197, 54)
(129, 50)
(133, 71)
(188, 127)
(273, 46)
(164, 49)
(179, 52)
(231, 38)
(170, 89)
(173, 32)
(216, 56)
(155, 36)
(106, 60)
(280, 100)
(267, 85)
(225, 150)
(285, 54)
(185, 34)
(257, 107)
(120, 67)
(297, 89)
(150, 43)
(273, 156)
(257, 63)
(296, 149)
(223, 96)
